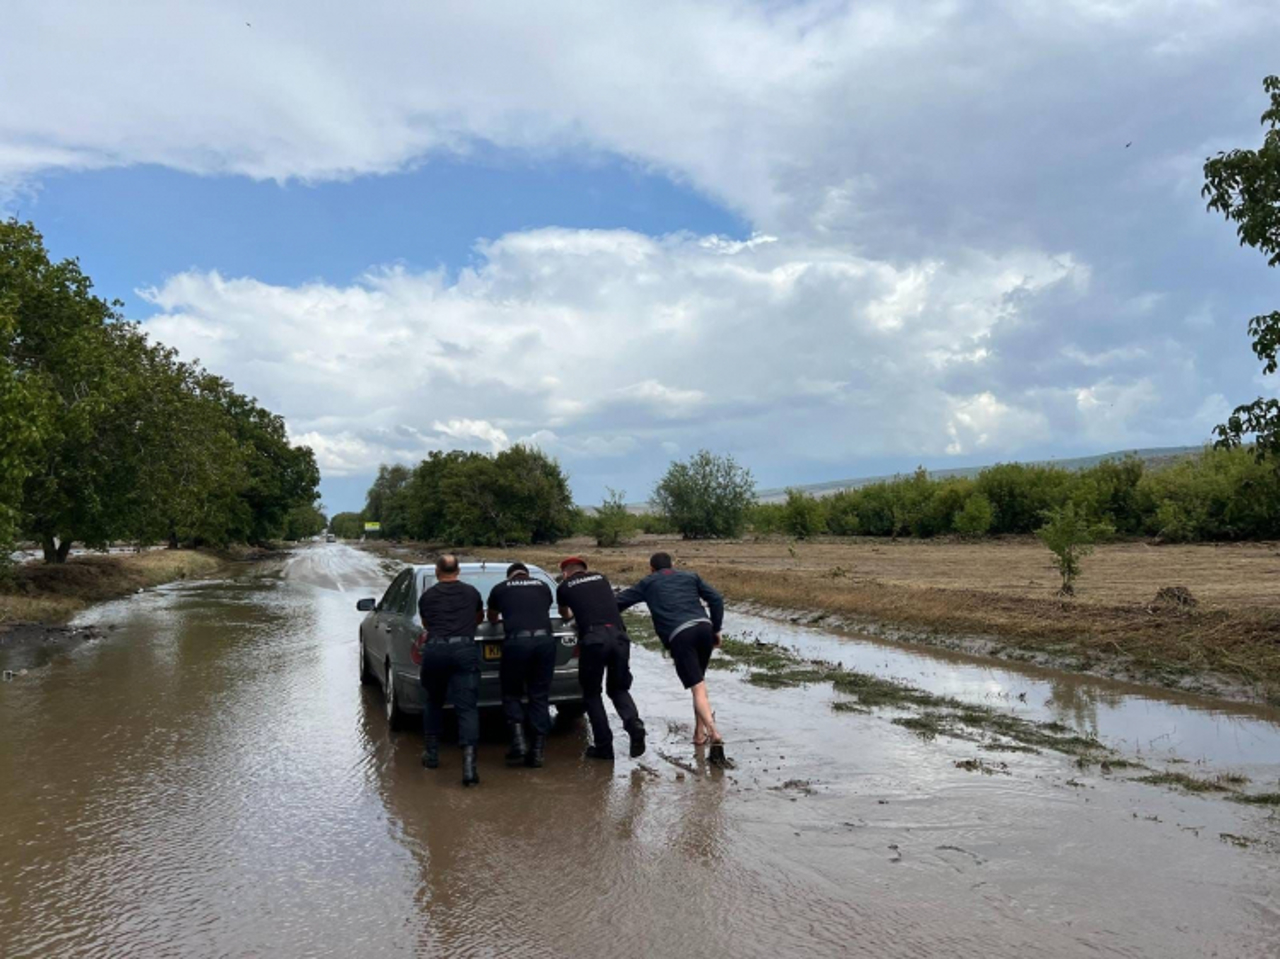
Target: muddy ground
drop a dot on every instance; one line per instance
(210, 778)
(999, 597)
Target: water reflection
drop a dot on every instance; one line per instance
(1145, 721)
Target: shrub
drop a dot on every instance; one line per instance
(1070, 535)
(1020, 494)
(802, 515)
(707, 496)
(612, 522)
(766, 518)
(842, 513)
(975, 517)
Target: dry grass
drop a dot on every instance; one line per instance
(1006, 588)
(52, 594)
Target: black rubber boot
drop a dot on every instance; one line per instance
(431, 754)
(601, 752)
(469, 775)
(636, 731)
(535, 756)
(519, 748)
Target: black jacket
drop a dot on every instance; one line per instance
(674, 597)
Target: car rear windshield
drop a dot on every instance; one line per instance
(485, 580)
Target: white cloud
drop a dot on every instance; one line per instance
(528, 344)
(956, 252)
(798, 114)
(463, 430)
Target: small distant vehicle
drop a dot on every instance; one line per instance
(331, 538)
(391, 638)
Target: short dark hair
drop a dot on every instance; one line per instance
(660, 561)
(446, 564)
(517, 568)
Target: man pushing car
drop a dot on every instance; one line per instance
(688, 630)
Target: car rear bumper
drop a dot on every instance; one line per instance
(564, 688)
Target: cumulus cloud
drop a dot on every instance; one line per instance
(956, 252)
(613, 345)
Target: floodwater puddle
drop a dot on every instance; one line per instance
(210, 778)
(1141, 723)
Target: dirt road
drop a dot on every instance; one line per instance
(210, 779)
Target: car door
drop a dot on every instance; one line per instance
(405, 625)
(384, 616)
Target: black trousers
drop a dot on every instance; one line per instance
(605, 663)
(451, 673)
(528, 663)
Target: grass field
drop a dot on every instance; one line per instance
(54, 593)
(947, 592)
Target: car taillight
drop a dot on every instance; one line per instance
(577, 649)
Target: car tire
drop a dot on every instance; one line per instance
(367, 677)
(395, 715)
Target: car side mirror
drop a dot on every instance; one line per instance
(366, 605)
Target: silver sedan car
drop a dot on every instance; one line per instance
(391, 638)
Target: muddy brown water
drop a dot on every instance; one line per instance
(209, 779)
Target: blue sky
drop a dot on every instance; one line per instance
(830, 238)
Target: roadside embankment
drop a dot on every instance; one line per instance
(42, 597)
(1215, 629)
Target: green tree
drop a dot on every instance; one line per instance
(1070, 536)
(388, 501)
(975, 517)
(303, 522)
(706, 496)
(802, 515)
(1244, 186)
(471, 499)
(347, 525)
(612, 522)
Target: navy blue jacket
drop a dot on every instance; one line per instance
(674, 597)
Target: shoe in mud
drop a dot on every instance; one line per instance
(600, 752)
(636, 732)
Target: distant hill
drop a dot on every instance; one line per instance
(1159, 456)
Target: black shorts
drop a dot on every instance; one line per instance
(691, 651)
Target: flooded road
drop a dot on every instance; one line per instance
(210, 779)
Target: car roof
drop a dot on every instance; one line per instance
(485, 566)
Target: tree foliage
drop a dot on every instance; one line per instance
(1070, 535)
(802, 515)
(1221, 494)
(109, 436)
(347, 525)
(612, 522)
(1244, 186)
(706, 496)
(474, 499)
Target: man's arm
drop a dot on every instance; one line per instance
(629, 597)
(715, 604)
(479, 608)
(566, 613)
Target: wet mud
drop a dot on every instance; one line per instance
(210, 779)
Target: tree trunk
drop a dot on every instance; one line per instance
(64, 549)
(173, 540)
(50, 548)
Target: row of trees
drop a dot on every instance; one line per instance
(520, 495)
(1221, 494)
(105, 435)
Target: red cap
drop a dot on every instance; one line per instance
(571, 560)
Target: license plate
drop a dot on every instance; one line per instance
(491, 651)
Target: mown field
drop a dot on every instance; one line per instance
(1005, 590)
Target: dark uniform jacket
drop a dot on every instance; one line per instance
(675, 598)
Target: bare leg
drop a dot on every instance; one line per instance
(705, 720)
